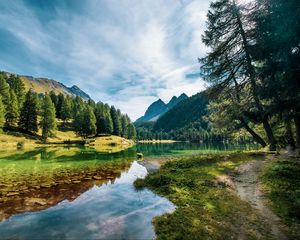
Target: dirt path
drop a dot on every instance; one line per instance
(247, 187)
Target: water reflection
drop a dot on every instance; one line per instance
(178, 148)
(37, 179)
(110, 211)
(80, 193)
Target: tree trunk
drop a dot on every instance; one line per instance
(289, 133)
(251, 73)
(297, 124)
(255, 136)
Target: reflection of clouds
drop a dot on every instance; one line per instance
(116, 225)
(112, 211)
(135, 171)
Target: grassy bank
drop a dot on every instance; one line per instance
(281, 182)
(207, 208)
(111, 143)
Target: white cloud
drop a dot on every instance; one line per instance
(125, 52)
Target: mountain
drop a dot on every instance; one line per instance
(158, 108)
(184, 113)
(43, 85)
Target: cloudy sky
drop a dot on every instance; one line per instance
(124, 52)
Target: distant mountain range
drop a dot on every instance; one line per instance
(158, 108)
(184, 114)
(45, 85)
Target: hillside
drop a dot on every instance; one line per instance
(43, 85)
(183, 114)
(159, 107)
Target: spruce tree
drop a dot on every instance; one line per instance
(109, 127)
(2, 114)
(4, 89)
(28, 115)
(66, 109)
(17, 85)
(60, 100)
(124, 123)
(48, 122)
(116, 121)
(54, 98)
(99, 114)
(229, 35)
(12, 113)
(85, 122)
(131, 131)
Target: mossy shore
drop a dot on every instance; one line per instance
(207, 206)
(107, 143)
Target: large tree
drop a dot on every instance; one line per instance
(277, 50)
(28, 116)
(85, 122)
(48, 122)
(66, 109)
(17, 85)
(12, 113)
(115, 116)
(229, 35)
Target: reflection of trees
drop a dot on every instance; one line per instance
(36, 195)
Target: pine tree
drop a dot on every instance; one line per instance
(124, 124)
(85, 122)
(109, 127)
(2, 114)
(54, 98)
(77, 106)
(17, 85)
(116, 121)
(229, 34)
(66, 109)
(4, 90)
(48, 123)
(60, 100)
(131, 131)
(28, 116)
(12, 113)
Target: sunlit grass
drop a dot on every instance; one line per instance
(206, 208)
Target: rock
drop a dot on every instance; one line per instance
(76, 181)
(97, 177)
(12, 194)
(33, 200)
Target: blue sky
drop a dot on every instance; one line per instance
(124, 52)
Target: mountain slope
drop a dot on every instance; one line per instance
(158, 108)
(183, 114)
(43, 85)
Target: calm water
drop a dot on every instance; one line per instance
(71, 193)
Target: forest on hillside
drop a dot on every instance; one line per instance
(253, 69)
(27, 112)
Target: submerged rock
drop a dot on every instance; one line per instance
(97, 177)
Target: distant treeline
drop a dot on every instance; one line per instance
(27, 111)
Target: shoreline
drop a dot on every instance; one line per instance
(106, 143)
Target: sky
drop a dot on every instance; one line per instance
(127, 53)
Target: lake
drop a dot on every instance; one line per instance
(79, 193)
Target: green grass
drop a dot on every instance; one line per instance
(281, 181)
(206, 208)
